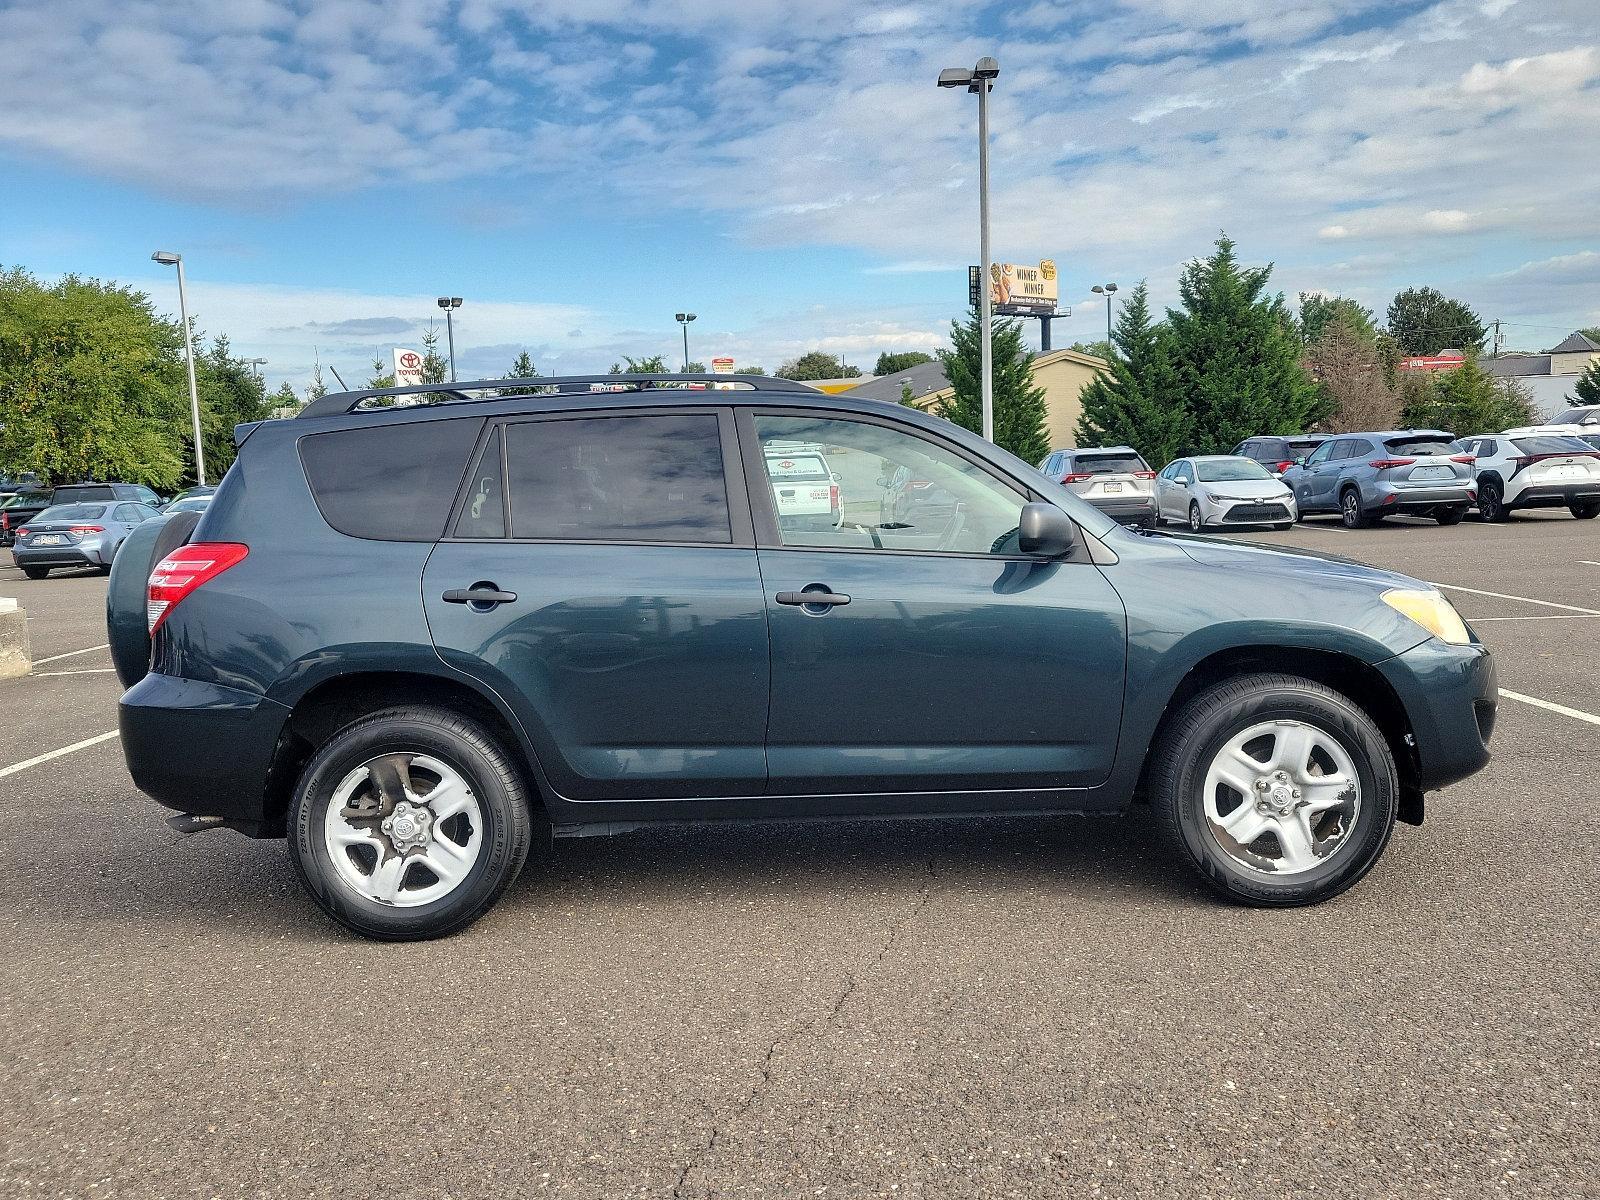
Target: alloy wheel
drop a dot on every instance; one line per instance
(403, 829)
(1196, 522)
(1282, 798)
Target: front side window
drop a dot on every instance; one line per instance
(883, 489)
(1321, 454)
(647, 478)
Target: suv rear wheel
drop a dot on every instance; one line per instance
(1491, 501)
(409, 824)
(1350, 511)
(1277, 789)
(1585, 511)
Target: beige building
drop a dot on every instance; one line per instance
(1549, 377)
(1063, 374)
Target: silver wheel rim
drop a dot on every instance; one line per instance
(403, 830)
(1196, 521)
(1352, 507)
(1282, 798)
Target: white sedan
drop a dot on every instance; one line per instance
(1222, 489)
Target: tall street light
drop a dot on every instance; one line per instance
(1106, 290)
(255, 365)
(979, 81)
(168, 258)
(450, 304)
(684, 319)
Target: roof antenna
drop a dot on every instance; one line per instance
(339, 377)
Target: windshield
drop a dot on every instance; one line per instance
(1107, 464)
(1230, 470)
(1550, 445)
(1587, 415)
(70, 512)
(192, 504)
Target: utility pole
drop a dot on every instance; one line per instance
(1494, 347)
(978, 81)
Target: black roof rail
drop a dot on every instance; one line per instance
(339, 403)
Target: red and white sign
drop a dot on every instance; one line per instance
(722, 366)
(407, 367)
(1445, 360)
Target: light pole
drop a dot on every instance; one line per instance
(684, 319)
(168, 258)
(979, 81)
(450, 304)
(255, 365)
(1106, 290)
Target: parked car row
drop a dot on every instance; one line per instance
(82, 524)
(1361, 477)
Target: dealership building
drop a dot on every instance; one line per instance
(1550, 376)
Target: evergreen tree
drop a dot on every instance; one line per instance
(1426, 321)
(1318, 311)
(744, 370)
(1098, 349)
(523, 367)
(435, 369)
(1587, 389)
(1019, 407)
(318, 388)
(1468, 400)
(285, 397)
(654, 365)
(230, 395)
(1237, 353)
(1139, 404)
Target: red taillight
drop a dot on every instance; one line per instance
(1283, 466)
(1144, 474)
(1383, 464)
(1076, 478)
(1466, 458)
(5, 520)
(82, 529)
(184, 570)
(833, 495)
(23, 532)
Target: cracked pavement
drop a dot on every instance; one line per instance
(997, 1008)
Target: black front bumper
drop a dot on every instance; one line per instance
(1557, 495)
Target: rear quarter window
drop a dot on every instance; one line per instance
(393, 483)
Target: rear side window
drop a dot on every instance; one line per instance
(623, 478)
(392, 483)
(1108, 464)
(68, 495)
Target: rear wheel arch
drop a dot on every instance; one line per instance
(338, 702)
(1360, 683)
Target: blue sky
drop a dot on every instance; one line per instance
(579, 170)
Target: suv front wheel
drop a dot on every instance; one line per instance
(1350, 510)
(1277, 789)
(409, 824)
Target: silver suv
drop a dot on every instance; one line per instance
(1115, 479)
(1367, 476)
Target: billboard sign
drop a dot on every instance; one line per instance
(407, 367)
(1024, 290)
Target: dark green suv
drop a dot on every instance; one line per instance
(404, 635)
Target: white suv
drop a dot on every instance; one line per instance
(1534, 470)
(804, 491)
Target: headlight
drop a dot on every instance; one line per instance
(1430, 610)
(1215, 499)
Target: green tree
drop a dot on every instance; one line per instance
(1592, 332)
(1587, 389)
(817, 364)
(744, 370)
(889, 364)
(523, 367)
(1317, 311)
(1358, 393)
(1426, 321)
(230, 394)
(1098, 349)
(1140, 403)
(318, 388)
(695, 367)
(435, 368)
(1237, 352)
(380, 379)
(1467, 400)
(654, 365)
(1019, 407)
(285, 397)
(91, 383)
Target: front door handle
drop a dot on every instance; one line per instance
(807, 599)
(486, 597)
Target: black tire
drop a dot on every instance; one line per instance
(1351, 514)
(36, 572)
(1585, 512)
(127, 626)
(1283, 527)
(1450, 516)
(1491, 501)
(1190, 740)
(1196, 522)
(466, 747)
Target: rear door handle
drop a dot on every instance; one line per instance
(479, 595)
(820, 599)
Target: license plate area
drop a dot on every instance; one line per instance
(1111, 487)
(49, 539)
(1429, 473)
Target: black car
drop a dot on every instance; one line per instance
(403, 636)
(16, 510)
(81, 493)
(1278, 454)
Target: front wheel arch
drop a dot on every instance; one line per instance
(1360, 683)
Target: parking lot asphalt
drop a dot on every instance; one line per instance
(1008, 1007)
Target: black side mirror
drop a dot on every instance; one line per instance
(1046, 531)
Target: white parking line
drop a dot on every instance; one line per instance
(1578, 714)
(76, 746)
(1540, 617)
(1450, 587)
(1589, 562)
(108, 670)
(39, 662)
